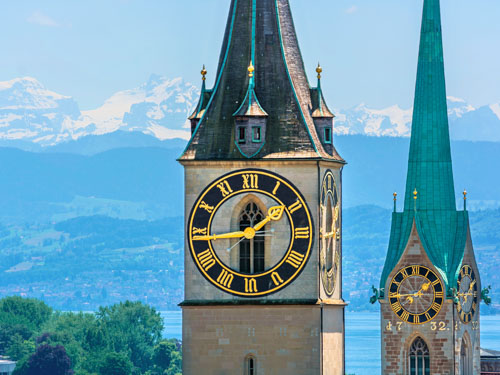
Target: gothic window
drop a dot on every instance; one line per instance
(242, 134)
(465, 365)
(256, 134)
(252, 251)
(250, 365)
(419, 358)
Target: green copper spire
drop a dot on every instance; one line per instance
(430, 205)
(429, 168)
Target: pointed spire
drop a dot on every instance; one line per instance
(320, 109)
(429, 167)
(202, 103)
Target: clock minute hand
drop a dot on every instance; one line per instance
(275, 213)
(214, 237)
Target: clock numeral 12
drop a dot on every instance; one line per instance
(250, 181)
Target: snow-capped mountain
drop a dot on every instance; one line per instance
(30, 112)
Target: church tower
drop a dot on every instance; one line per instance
(263, 291)
(430, 286)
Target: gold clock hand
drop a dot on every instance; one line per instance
(214, 237)
(274, 214)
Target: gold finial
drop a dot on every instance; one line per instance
(251, 69)
(395, 196)
(203, 73)
(319, 70)
(415, 194)
(465, 195)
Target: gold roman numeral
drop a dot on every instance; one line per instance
(428, 316)
(416, 319)
(396, 307)
(206, 259)
(276, 187)
(439, 294)
(405, 315)
(201, 231)
(415, 270)
(295, 259)
(225, 188)
(206, 207)
(277, 280)
(295, 207)
(435, 282)
(302, 233)
(250, 181)
(404, 273)
(225, 279)
(436, 307)
(251, 286)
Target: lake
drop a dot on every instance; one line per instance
(362, 339)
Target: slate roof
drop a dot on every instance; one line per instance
(259, 32)
(442, 229)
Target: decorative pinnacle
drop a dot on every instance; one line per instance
(415, 194)
(395, 196)
(203, 73)
(251, 69)
(465, 195)
(319, 70)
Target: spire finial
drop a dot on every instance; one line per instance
(203, 73)
(415, 197)
(395, 195)
(319, 70)
(465, 200)
(251, 69)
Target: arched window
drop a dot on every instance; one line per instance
(419, 358)
(252, 251)
(250, 365)
(465, 363)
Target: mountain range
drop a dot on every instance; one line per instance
(33, 116)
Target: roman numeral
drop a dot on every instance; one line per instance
(416, 319)
(436, 307)
(295, 259)
(302, 233)
(206, 259)
(439, 294)
(251, 286)
(206, 207)
(276, 187)
(225, 279)
(393, 295)
(428, 316)
(405, 315)
(250, 181)
(405, 273)
(225, 188)
(295, 207)
(435, 282)
(202, 231)
(415, 270)
(396, 307)
(277, 280)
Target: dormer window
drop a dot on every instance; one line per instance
(256, 134)
(328, 135)
(242, 135)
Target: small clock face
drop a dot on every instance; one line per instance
(286, 208)
(416, 294)
(329, 233)
(467, 294)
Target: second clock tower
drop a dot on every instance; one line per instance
(263, 291)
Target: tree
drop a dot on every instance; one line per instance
(49, 360)
(29, 312)
(116, 364)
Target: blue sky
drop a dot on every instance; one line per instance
(368, 48)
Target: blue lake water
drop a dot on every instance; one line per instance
(362, 338)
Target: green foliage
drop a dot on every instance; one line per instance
(116, 364)
(120, 339)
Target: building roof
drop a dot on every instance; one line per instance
(490, 354)
(442, 229)
(261, 33)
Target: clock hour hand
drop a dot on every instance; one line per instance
(214, 237)
(274, 214)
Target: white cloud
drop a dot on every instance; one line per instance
(38, 18)
(352, 9)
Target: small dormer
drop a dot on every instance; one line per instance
(250, 121)
(202, 103)
(322, 117)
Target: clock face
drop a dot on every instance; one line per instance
(289, 245)
(467, 294)
(416, 294)
(329, 233)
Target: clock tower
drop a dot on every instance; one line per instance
(430, 286)
(263, 290)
